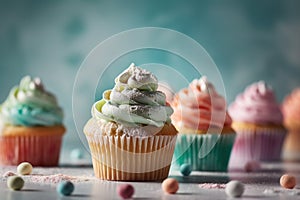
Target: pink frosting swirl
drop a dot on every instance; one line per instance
(291, 107)
(256, 105)
(199, 107)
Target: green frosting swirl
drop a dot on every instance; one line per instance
(134, 100)
(30, 105)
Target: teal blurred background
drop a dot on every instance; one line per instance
(248, 40)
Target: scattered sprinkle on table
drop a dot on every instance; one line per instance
(212, 186)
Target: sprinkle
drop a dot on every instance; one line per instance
(56, 178)
(8, 173)
(212, 186)
(276, 192)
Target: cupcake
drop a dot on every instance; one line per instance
(130, 134)
(30, 125)
(258, 122)
(205, 136)
(291, 113)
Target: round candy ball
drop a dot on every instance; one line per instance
(252, 166)
(234, 189)
(288, 181)
(77, 154)
(185, 169)
(65, 188)
(25, 168)
(170, 185)
(125, 191)
(15, 182)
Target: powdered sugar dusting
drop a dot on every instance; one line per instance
(277, 192)
(212, 186)
(56, 178)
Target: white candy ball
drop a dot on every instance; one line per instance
(25, 168)
(234, 189)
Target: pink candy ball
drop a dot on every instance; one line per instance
(288, 181)
(125, 191)
(252, 166)
(170, 186)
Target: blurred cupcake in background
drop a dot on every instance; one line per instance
(205, 135)
(258, 121)
(31, 125)
(130, 134)
(291, 113)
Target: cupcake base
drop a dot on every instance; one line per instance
(119, 155)
(205, 152)
(256, 144)
(127, 158)
(38, 145)
(106, 173)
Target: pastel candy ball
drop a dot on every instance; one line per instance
(234, 189)
(170, 185)
(125, 191)
(77, 154)
(65, 188)
(185, 169)
(25, 168)
(252, 166)
(15, 182)
(288, 181)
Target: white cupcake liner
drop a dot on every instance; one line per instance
(264, 144)
(131, 158)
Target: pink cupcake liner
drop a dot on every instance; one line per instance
(263, 145)
(38, 150)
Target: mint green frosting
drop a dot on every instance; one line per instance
(30, 105)
(134, 100)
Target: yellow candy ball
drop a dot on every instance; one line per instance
(15, 182)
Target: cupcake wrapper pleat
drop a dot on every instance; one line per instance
(38, 150)
(207, 152)
(131, 158)
(259, 145)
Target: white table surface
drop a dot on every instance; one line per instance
(89, 187)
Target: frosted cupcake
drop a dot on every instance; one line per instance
(257, 119)
(30, 125)
(205, 135)
(130, 134)
(291, 113)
